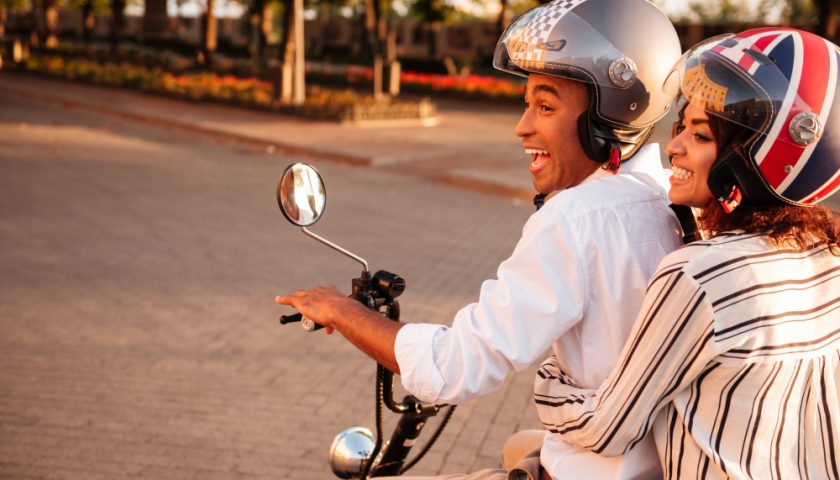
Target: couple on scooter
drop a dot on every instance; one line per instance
(720, 358)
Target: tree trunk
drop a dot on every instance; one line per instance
(827, 18)
(372, 25)
(255, 24)
(210, 30)
(155, 20)
(88, 19)
(117, 23)
(283, 87)
(501, 20)
(50, 23)
(4, 15)
(299, 89)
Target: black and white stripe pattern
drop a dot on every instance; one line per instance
(536, 34)
(734, 362)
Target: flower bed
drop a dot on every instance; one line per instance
(461, 86)
(321, 104)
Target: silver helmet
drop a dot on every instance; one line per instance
(624, 49)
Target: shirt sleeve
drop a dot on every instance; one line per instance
(670, 345)
(537, 296)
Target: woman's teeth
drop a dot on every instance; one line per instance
(681, 173)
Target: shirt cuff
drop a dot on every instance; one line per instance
(414, 349)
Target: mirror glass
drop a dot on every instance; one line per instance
(301, 194)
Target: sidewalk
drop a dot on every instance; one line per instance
(472, 146)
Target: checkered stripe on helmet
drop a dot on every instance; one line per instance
(537, 32)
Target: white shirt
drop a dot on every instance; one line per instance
(734, 364)
(574, 282)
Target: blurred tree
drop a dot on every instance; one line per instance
(720, 11)
(432, 14)
(89, 9)
(827, 17)
(381, 39)
(5, 6)
(259, 17)
(155, 23)
(292, 81)
(209, 33)
(117, 23)
(48, 22)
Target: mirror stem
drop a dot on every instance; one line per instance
(336, 247)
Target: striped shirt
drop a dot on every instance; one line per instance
(734, 362)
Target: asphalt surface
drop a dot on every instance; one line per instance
(137, 277)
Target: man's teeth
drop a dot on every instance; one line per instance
(534, 151)
(681, 173)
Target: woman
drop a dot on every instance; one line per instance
(734, 360)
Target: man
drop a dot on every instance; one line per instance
(577, 276)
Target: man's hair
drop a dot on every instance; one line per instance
(784, 225)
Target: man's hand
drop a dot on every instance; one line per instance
(323, 305)
(367, 329)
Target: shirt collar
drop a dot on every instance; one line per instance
(646, 161)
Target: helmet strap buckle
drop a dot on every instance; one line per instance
(613, 164)
(731, 202)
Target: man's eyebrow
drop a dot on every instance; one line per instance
(547, 89)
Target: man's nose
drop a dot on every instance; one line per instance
(525, 126)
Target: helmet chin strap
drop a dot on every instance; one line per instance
(731, 182)
(539, 200)
(608, 145)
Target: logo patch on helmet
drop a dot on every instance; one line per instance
(702, 91)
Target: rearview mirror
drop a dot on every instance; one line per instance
(301, 195)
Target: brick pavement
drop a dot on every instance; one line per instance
(137, 277)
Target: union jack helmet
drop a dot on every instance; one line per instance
(781, 85)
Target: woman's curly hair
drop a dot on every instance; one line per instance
(784, 225)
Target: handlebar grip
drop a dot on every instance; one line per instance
(295, 317)
(306, 323)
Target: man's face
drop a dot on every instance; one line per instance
(549, 132)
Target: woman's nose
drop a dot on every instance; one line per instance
(675, 146)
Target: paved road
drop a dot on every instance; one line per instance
(137, 277)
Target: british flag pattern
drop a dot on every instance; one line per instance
(802, 173)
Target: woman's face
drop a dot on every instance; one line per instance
(692, 150)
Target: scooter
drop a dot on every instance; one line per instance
(356, 452)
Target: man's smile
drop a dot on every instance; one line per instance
(539, 159)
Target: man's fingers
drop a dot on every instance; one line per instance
(283, 300)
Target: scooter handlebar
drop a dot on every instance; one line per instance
(306, 323)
